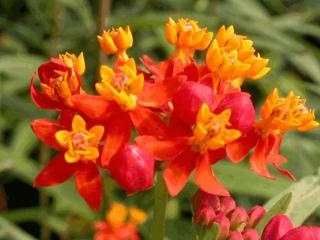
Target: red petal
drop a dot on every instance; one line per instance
(162, 149)
(45, 130)
(118, 134)
(55, 172)
(88, 183)
(243, 113)
(205, 178)
(303, 233)
(240, 148)
(160, 93)
(216, 155)
(95, 107)
(40, 99)
(177, 172)
(277, 227)
(258, 161)
(147, 122)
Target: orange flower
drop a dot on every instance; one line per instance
(60, 79)
(116, 41)
(187, 37)
(279, 115)
(232, 57)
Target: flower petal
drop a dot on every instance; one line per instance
(162, 149)
(45, 130)
(277, 227)
(205, 178)
(303, 233)
(240, 148)
(88, 183)
(118, 133)
(95, 107)
(216, 155)
(160, 93)
(177, 172)
(147, 122)
(55, 172)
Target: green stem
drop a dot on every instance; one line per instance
(159, 214)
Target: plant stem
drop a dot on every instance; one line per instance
(159, 214)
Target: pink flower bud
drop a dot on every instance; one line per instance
(203, 198)
(132, 168)
(277, 227)
(238, 219)
(204, 216)
(236, 236)
(250, 234)
(227, 205)
(255, 215)
(224, 224)
(188, 99)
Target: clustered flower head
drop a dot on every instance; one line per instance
(120, 223)
(187, 115)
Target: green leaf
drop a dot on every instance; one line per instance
(305, 199)
(279, 207)
(209, 234)
(12, 232)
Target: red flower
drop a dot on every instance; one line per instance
(60, 78)
(79, 155)
(280, 227)
(132, 168)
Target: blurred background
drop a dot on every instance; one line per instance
(31, 31)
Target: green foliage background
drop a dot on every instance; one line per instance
(31, 31)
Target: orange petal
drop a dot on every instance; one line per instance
(55, 172)
(88, 183)
(118, 133)
(177, 172)
(160, 93)
(162, 149)
(78, 124)
(147, 122)
(205, 178)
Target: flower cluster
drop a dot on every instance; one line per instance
(187, 115)
(120, 223)
(236, 223)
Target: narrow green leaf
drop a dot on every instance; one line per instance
(209, 234)
(12, 232)
(279, 207)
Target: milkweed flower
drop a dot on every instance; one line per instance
(120, 223)
(278, 116)
(231, 57)
(234, 222)
(116, 41)
(187, 36)
(60, 78)
(80, 150)
(280, 227)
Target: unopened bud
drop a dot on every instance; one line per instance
(255, 215)
(250, 234)
(203, 198)
(224, 226)
(204, 216)
(235, 236)
(227, 205)
(238, 219)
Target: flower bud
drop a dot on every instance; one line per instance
(203, 198)
(188, 99)
(204, 216)
(238, 219)
(227, 205)
(277, 227)
(132, 168)
(255, 215)
(236, 236)
(224, 225)
(250, 234)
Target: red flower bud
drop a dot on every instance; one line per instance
(277, 227)
(188, 99)
(255, 215)
(243, 113)
(238, 219)
(236, 236)
(132, 168)
(224, 224)
(204, 216)
(203, 198)
(227, 205)
(303, 233)
(250, 234)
